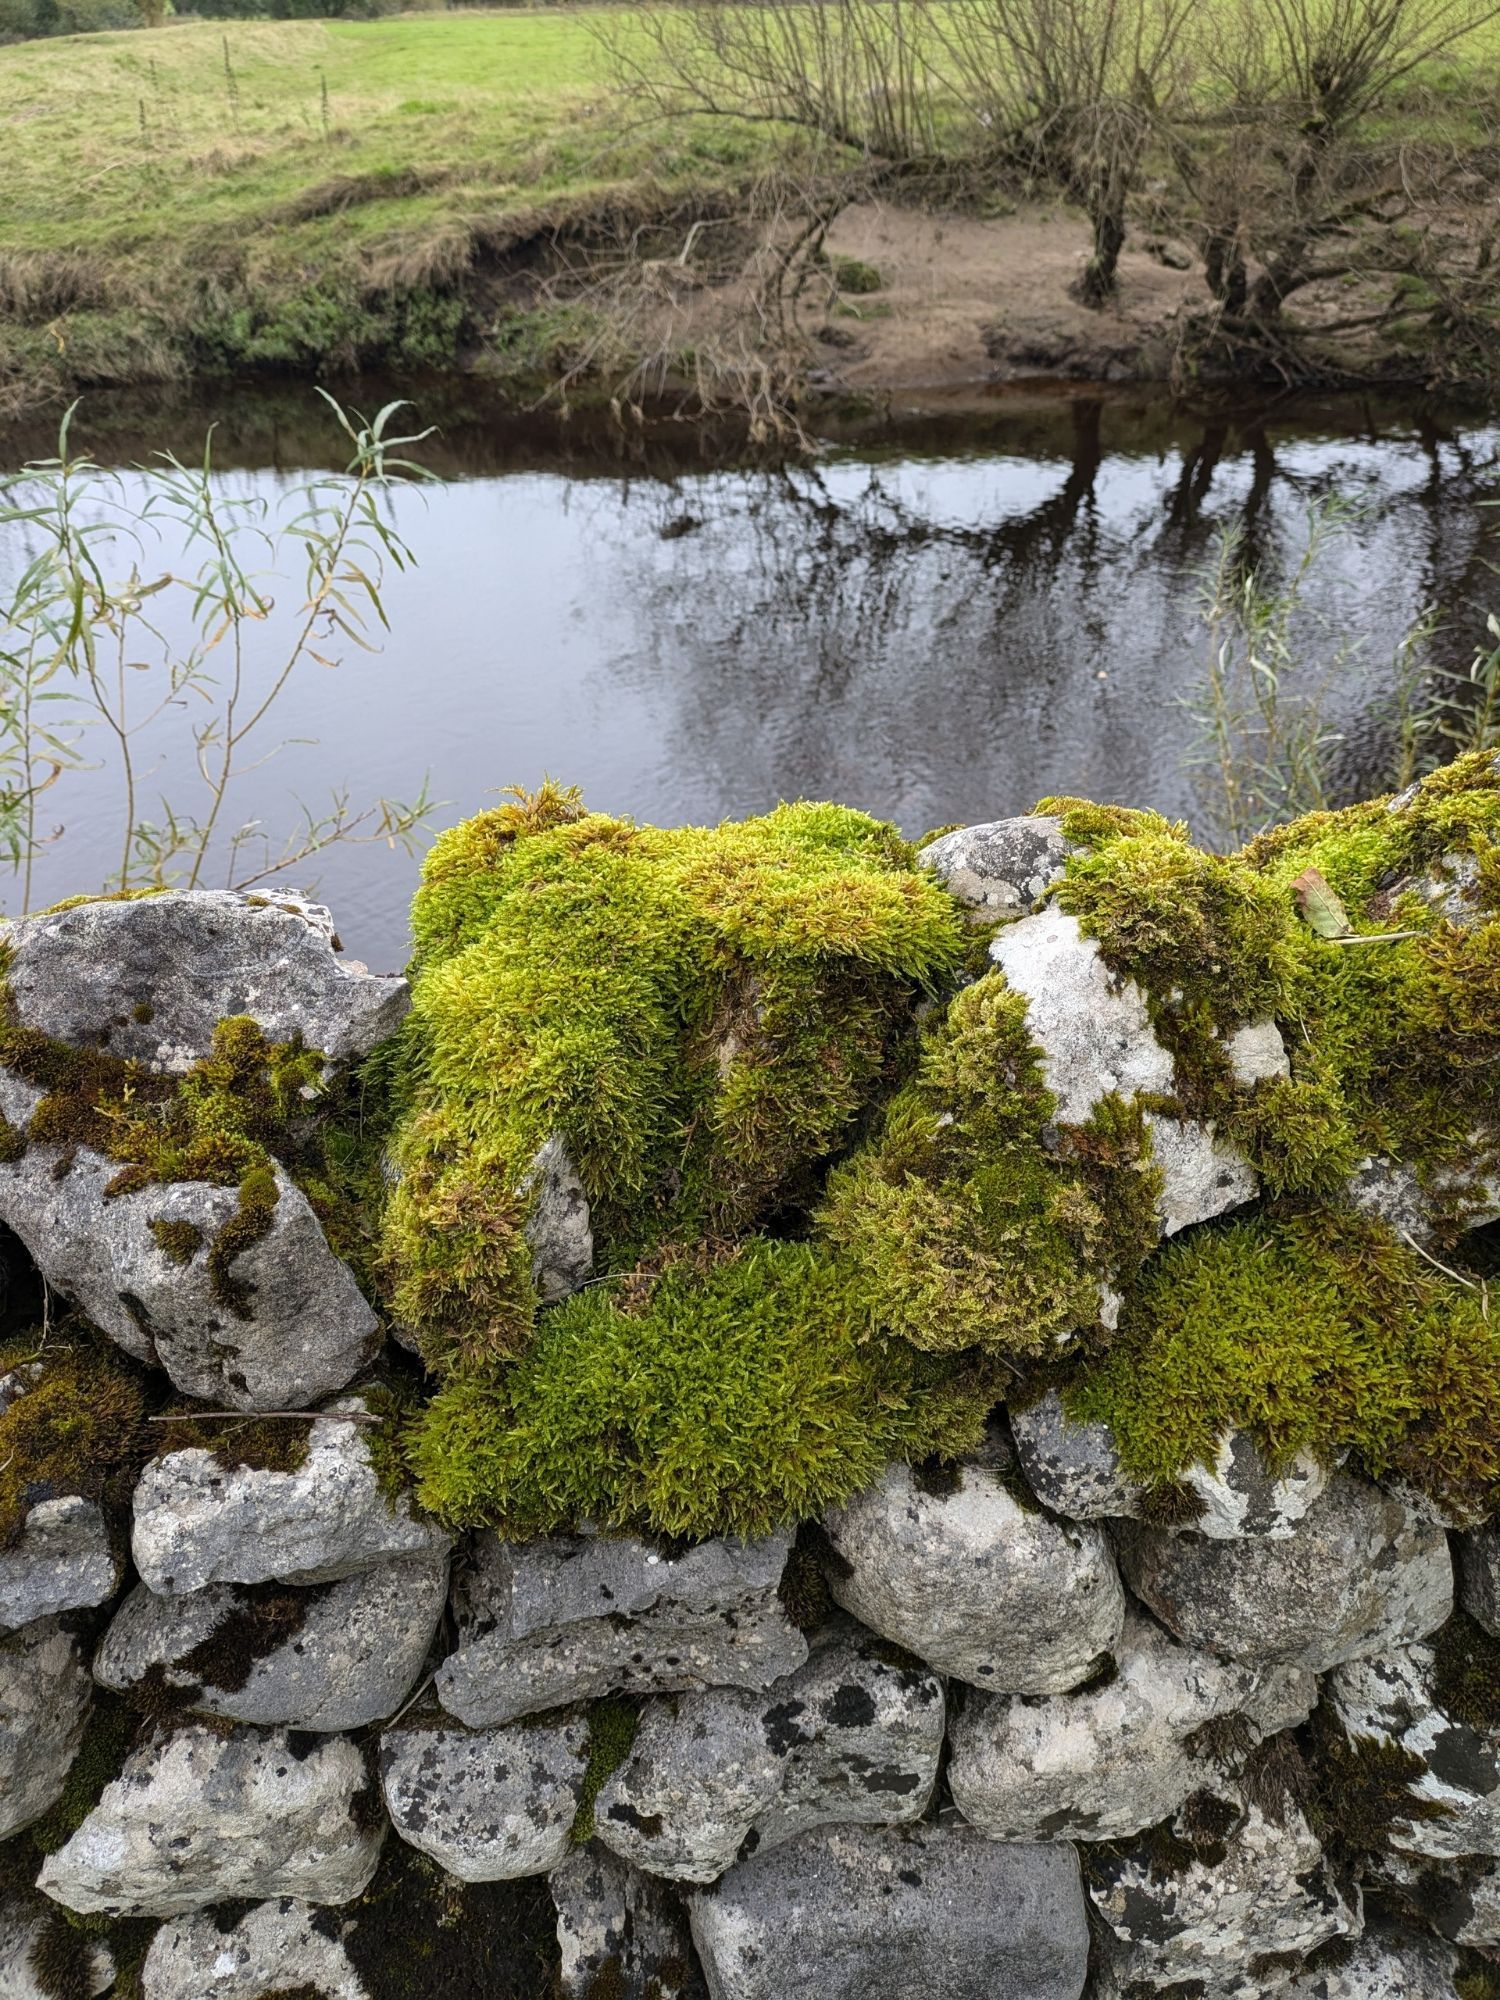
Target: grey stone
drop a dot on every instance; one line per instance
(852, 1738)
(1358, 1575)
(1459, 1898)
(1107, 1762)
(44, 1702)
(62, 1561)
(1074, 1468)
(1262, 1892)
(309, 1656)
(559, 1231)
(487, 1804)
(274, 1949)
(309, 1328)
(974, 1584)
(1203, 1174)
(1393, 1193)
(620, 1931)
(1394, 1698)
(205, 1815)
(1094, 1031)
(569, 1617)
(1385, 1964)
(193, 958)
(1257, 1053)
(1478, 1555)
(1002, 868)
(895, 1913)
(24, 1922)
(196, 1523)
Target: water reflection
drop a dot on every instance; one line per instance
(942, 619)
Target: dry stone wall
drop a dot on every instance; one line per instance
(984, 1731)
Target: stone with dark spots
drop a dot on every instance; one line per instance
(1398, 1699)
(1478, 1554)
(1110, 1760)
(895, 1913)
(1359, 1574)
(62, 1560)
(621, 1932)
(489, 1805)
(275, 1948)
(156, 975)
(44, 1703)
(1388, 1963)
(571, 1617)
(975, 1584)
(852, 1736)
(1225, 1904)
(1001, 868)
(316, 1657)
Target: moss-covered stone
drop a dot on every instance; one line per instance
(78, 1428)
(1321, 1332)
(973, 1220)
(700, 1013)
(613, 1723)
(727, 1400)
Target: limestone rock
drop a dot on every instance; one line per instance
(1257, 1053)
(28, 1923)
(44, 1702)
(1094, 1032)
(1359, 1575)
(1479, 1576)
(852, 1738)
(1385, 1964)
(1203, 1174)
(152, 978)
(1074, 1468)
(1001, 868)
(1460, 1899)
(196, 1523)
(1392, 1192)
(276, 1948)
(895, 1913)
(1397, 1698)
(620, 1931)
(569, 1617)
(487, 1804)
(309, 1328)
(975, 1584)
(1110, 1761)
(1259, 1891)
(559, 1230)
(311, 1656)
(62, 1561)
(203, 1816)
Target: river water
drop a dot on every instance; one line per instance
(947, 614)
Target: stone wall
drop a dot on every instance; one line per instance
(1019, 1726)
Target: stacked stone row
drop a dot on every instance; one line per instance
(948, 1786)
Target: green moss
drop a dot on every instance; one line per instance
(1318, 1332)
(1361, 1791)
(612, 1729)
(969, 1229)
(250, 1224)
(1466, 1673)
(731, 1400)
(251, 1443)
(702, 1014)
(108, 1739)
(177, 1239)
(12, 1142)
(81, 1422)
(803, 1589)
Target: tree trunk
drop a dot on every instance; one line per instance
(1100, 279)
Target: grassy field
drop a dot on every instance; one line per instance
(223, 197)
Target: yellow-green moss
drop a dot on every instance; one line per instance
(700, 1013)
(178, 1239)
(732, 1400)
(1316, 1332)
(970, 1229)
(80, 1422)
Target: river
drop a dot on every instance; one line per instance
(947, 613)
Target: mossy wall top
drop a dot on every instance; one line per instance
(836, 1215)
